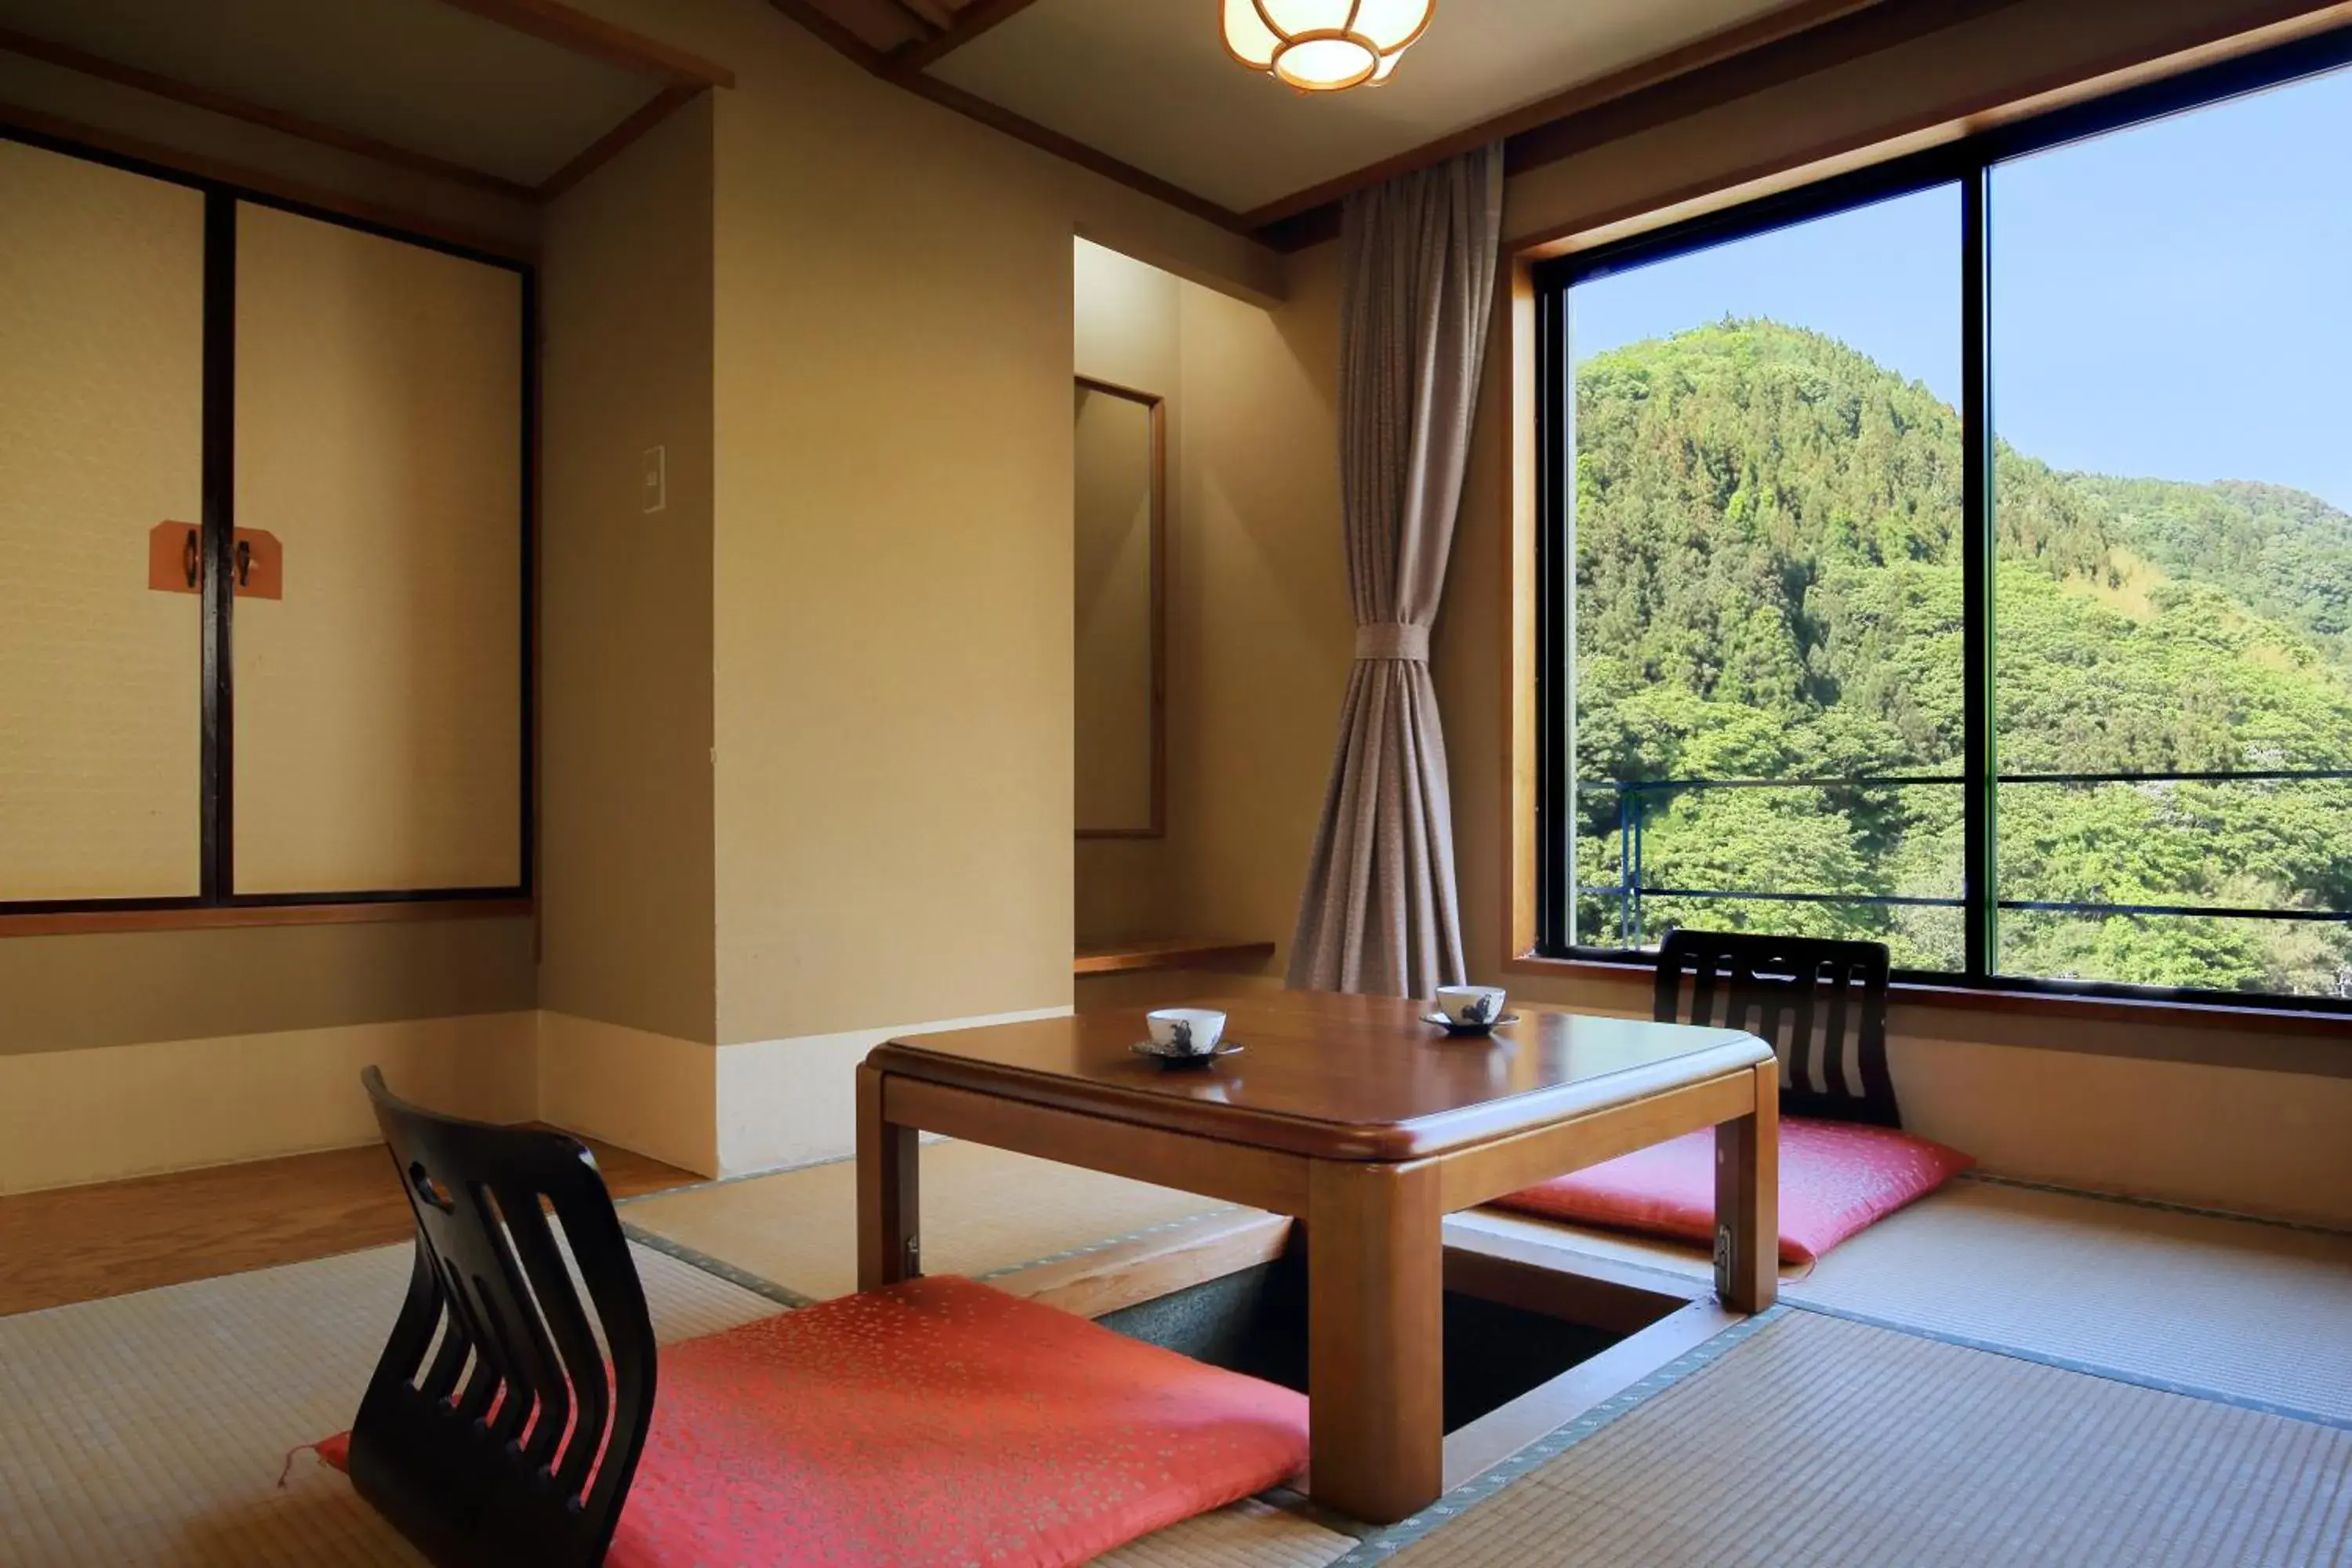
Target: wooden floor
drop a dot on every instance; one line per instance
(81, 1244)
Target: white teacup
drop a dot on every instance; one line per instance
(1186, 1031)
(1471, 1004)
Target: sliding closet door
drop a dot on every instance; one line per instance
(378, 722)
(102, 394)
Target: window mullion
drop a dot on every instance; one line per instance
(1982, 943)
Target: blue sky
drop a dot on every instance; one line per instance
(2174, 301)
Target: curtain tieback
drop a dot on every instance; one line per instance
(1394, 639)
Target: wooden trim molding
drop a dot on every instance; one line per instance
(551, 22)
(1797, 40)
(83, 922)
(682, 75)
(1155, 408)
(67, 56)
(1646, 97)
(2189, 47)
(971, 106)
(1522, 447)
(1167, 953)
(221, 170)
(611, 144)
(967, 25)
(1159, 1263)
(1712, 50)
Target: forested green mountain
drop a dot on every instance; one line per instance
(2281, 553)
(1769, 576)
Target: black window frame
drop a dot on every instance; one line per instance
(216, 699)
(1967, 162)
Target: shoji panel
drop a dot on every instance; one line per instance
(379, 436)
(101, 389)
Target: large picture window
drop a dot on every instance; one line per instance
(1958, 555)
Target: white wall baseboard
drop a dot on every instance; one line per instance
(717, 1111)
(655, 1094)
(111, 1112)
(785, 1102)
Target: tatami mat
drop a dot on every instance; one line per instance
(983, 1210)
(2259, 1313)
(153, 1428)
(1830, 1444)
(2254, 1312)
(1248, 1535)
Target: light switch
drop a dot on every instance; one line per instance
(655, 481)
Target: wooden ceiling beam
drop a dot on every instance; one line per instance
(1801, 40)
(968, 24)
(887, 65)
(608, 146)
(551, 22)
(929, 15)
(1715, 47)
(75, 134)
(204, 98)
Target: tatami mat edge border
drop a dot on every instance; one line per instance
(2069, 1363)
(718, 1269)
(704, 1186)
(1106, 1244)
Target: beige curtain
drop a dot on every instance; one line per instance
(1380, 912)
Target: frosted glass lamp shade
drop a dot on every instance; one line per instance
(1322, 46)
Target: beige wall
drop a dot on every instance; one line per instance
(1259, 629)
(892, 628)
(893, 556)
(889, 591)
(2051, 1097)
(1126, 327)
(1261, 609)
(625, 805)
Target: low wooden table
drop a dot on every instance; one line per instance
(1352, 1115)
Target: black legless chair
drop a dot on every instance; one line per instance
(496, 1431)
(1786, 991)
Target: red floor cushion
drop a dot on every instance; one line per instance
(1836, 1178)
(937, 1422)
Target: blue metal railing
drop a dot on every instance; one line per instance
(1638, 799)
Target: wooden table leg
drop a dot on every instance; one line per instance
(1375, 1338)
(888, 1192)
(1748, 1200)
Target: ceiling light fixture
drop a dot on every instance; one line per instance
(1323, 46)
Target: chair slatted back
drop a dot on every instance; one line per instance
(496, 1429)
(1820, 1005)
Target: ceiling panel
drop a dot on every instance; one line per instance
(1149, 82)
(415, 73)
(891, 25)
